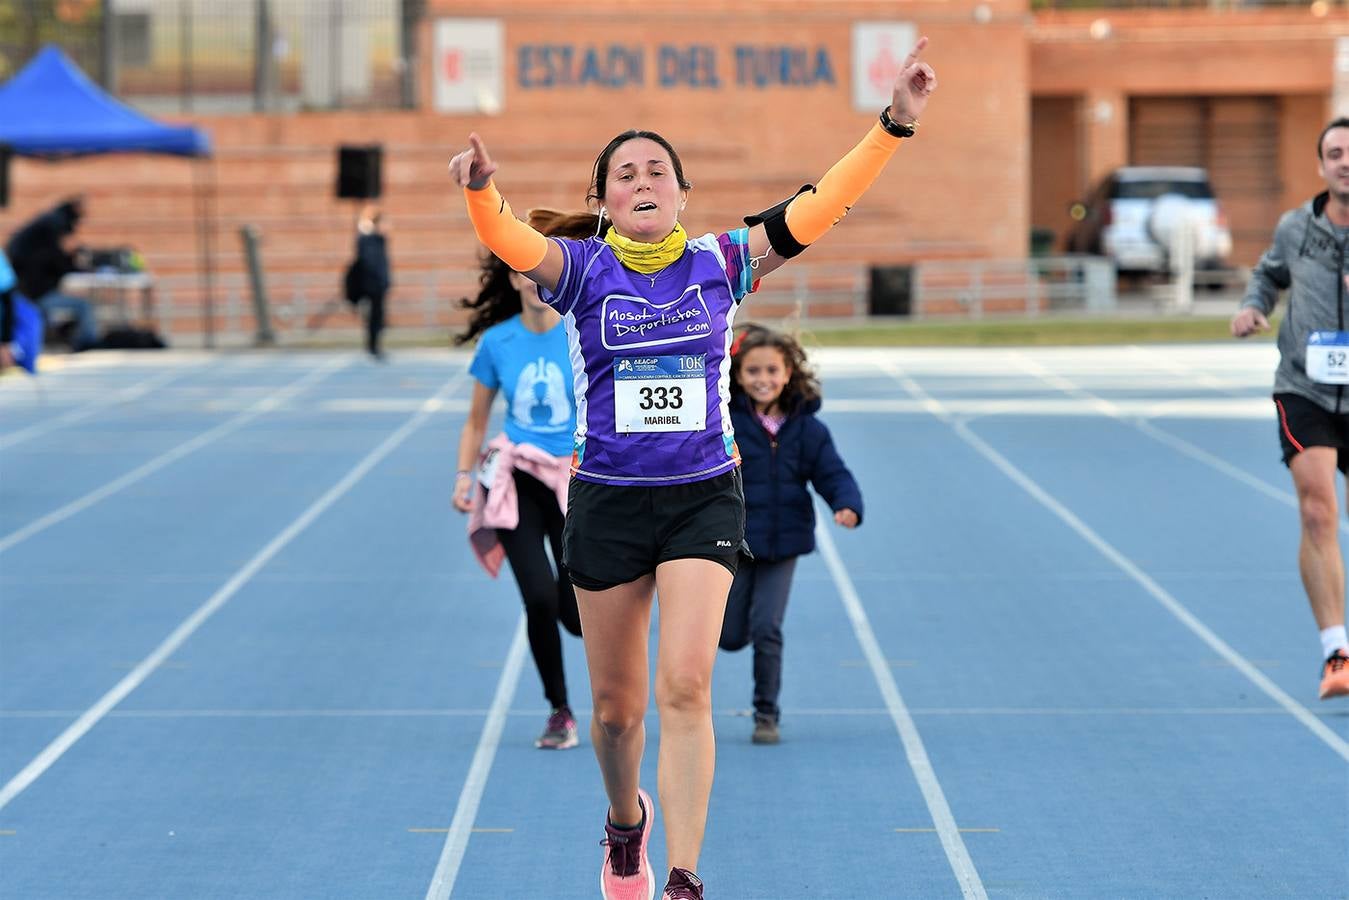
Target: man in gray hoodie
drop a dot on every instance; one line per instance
(1310, 256)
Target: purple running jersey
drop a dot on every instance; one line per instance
(651, 359)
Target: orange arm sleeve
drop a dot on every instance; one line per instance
(813, 213)
(519, 246)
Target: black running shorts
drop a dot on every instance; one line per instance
(615, 534)
(1303, 424)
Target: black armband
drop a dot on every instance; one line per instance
(774, 220)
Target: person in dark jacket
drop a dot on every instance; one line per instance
(42, 253)
(372, 275)
(783, 449)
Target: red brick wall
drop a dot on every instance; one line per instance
(965, 188)
(745, 149)
(1300, 125)
(1185, 51)
(956, 191)
(1284, 53)
(1055, 163)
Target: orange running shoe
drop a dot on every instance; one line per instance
(1335, 676)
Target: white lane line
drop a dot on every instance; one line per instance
(940, 811)
(91, 717)
(1176, 443)
(125, 395)
(1167, 364)
(269, 713)
(1160, 594)
(385, 405)
(1216, 384)
(266, 404)
(1248, 408)
(456, 842)
(581, 712)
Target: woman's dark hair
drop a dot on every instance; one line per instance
(802, 385)
(497, 298)
(600, 174)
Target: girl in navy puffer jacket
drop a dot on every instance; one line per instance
(783, 448)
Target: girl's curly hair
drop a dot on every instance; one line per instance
(802, 385)
(497, 298)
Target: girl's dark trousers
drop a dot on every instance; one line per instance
(544, 585)
(754, 613)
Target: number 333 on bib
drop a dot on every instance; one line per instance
(660, 393)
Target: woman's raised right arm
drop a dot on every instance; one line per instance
(519, 246)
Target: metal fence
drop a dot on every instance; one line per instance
(302, 307)
(223, 56)
(1014, 287)
(305, 306)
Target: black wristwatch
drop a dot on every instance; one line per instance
(895, 128)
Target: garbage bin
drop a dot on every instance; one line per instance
(1041, 241)
(890, 292)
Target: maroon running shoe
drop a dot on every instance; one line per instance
(683, 885)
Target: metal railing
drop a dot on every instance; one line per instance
(303, 306)
(1028, 287)
(306, 306)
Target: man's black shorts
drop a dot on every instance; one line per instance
(1303, 424)
(615, 534)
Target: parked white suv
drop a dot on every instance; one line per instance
(1133, 215)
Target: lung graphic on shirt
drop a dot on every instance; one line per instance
(540, 401)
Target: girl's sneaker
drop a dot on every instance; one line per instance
(683, 885)
(626, 872)
(560, 732)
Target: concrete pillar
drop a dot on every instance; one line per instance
(1339, 101)
(1104, 124)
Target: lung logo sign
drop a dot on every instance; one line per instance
(629, 322)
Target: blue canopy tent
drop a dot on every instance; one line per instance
(51, 110)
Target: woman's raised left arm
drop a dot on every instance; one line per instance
(780, 233)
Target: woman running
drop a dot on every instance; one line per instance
(655, 504)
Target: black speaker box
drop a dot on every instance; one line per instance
(891, 291)
(358, 172)
(6, 151)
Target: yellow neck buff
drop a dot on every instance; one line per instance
(648, 258)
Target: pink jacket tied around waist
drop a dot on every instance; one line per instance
(499, 507)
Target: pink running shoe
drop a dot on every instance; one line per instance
(683, 885)
(626, 872)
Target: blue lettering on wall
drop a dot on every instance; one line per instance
(615, 66)
(782, 66)
(565, 65)
(694, 67)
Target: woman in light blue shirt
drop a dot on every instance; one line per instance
(515, 486)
